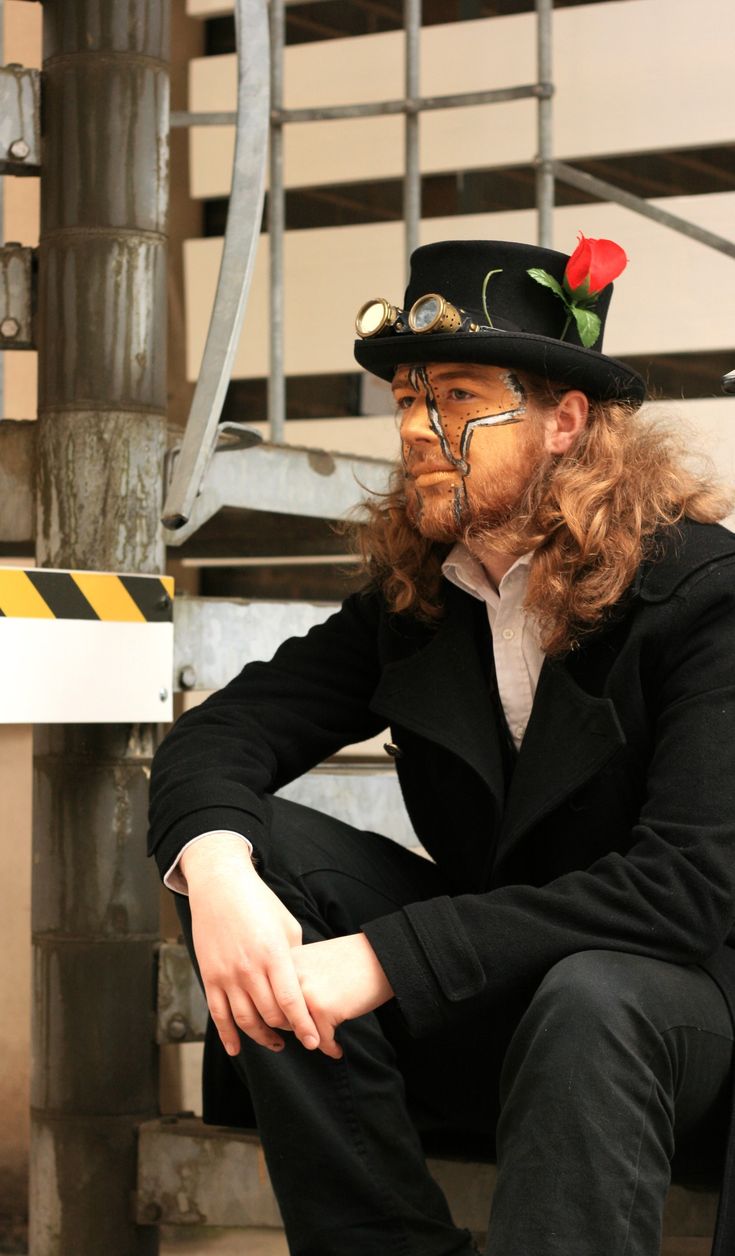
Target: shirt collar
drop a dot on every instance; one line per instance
(465, 571)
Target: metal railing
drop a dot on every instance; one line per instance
(244, 216)
(201, 427)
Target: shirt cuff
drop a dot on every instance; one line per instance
(175, 879)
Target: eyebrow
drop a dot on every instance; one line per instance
(467, 372)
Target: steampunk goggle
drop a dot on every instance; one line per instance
(431, 313)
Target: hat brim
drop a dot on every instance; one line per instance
(601, 378)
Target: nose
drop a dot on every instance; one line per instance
(415, 425)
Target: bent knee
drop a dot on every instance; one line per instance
(594, 986)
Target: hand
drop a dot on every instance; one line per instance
(243, 938)
(340, 979)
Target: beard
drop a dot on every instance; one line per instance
(486, 499)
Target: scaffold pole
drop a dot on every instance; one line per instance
(102, 437)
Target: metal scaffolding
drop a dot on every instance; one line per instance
(202, 424)
(262, 117)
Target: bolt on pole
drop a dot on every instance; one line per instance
(102, 437)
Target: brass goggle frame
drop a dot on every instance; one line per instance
(430, 313)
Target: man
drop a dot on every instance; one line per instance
(549, 632)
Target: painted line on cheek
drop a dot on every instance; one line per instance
(505, 419)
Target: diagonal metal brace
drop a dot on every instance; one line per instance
(609, 192)
(238, 258)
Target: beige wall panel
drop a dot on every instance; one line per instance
(374, 437)
(596, 110)
(20, 385)
(15, 968)
(676, 296)
(22, 31)
(22, 209)
(642, 74)
(708, 426)
(350, 150)
(208, 8)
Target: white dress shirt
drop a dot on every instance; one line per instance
(518, 655)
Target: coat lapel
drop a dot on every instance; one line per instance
(443, 691)
(571, 735)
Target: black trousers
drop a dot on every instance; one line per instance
(584, 1093)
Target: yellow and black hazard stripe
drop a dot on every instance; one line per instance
(101, 595)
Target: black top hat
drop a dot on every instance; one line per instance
(527, 320)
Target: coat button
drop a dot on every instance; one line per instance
(391, 748)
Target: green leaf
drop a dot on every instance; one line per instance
(588, 326)
(548, 281)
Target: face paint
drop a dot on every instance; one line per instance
(444, 408)
(454, 421)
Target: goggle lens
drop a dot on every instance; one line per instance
(375, 317)
(430, 313)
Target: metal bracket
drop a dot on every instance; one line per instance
(20, 112)
(17, 297)
(181, 1012)
(282, 478)
(238, 258)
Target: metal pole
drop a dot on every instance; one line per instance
(276, 228)
(370, 109)
(101, 442)
(412, 177)
(544, 167)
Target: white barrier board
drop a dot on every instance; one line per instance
(85, 647)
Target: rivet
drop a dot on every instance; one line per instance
(176, 1027)
(19, 150)
(163, 694)
(188, 676)
(9, 328)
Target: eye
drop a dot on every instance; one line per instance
(460, 394)
(405, 401)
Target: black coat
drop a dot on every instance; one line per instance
(617, 830)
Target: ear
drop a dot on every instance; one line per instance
(564, 423)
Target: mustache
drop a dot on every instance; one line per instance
(415, 464)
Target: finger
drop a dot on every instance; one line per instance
(248, 1018)
(290, 999)
(219, 1010)
(258, 990)
(328, 1044)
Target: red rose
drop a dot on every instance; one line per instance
(593, 265)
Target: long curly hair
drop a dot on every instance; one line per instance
(590, 516)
